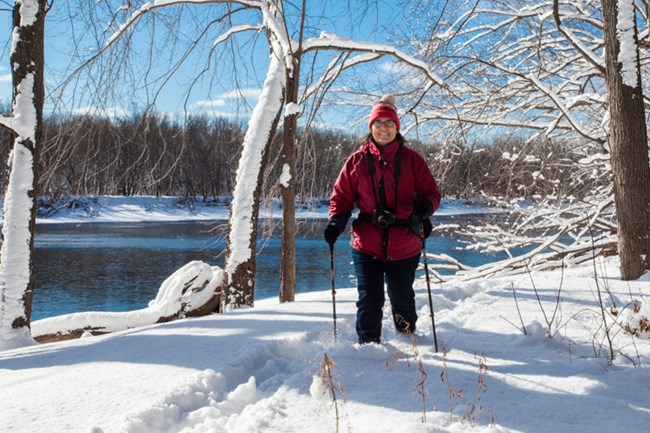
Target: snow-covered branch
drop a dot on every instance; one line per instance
(596, 61)
(235, 30)
(335, 69)
(509, 66)
(244, 208)
(151, 6)
(329, 41)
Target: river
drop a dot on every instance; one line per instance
(110, 266)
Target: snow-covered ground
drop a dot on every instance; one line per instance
(278, 368)
(136, 209)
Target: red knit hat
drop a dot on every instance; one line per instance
(385, 107)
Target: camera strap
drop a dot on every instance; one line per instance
(397, 170)
(397, 167)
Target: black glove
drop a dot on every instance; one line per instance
(422, 207)
(416, 222)
(427, 227)
(335, 226)
(331, 232)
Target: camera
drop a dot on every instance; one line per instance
(383, 217)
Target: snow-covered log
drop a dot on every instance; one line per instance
(182, 294)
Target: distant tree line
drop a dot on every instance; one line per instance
(153, 155)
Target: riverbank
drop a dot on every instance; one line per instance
(151, 209)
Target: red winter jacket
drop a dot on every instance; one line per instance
(355, 187)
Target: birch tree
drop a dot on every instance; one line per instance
(17, 251)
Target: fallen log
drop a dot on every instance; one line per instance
(185, 293)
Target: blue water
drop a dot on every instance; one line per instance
(120, 266)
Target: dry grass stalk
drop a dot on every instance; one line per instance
(333, 385)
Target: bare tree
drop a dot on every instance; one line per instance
(17, 252)
(536, 70)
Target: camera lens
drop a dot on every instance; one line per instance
(383, 218)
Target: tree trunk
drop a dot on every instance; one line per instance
(239, 278)
(17, 252)
(288, 191)
(629, 146)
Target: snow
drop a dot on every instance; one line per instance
(292, 109)
(329, 40)
(14, 252)
(28, 11)
(268, 369)
(237, 29)
(627, 55)
(24, 118)
(107, 209)
(285, 176)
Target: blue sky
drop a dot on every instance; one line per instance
(215, 93)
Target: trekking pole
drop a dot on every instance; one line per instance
(426, 273)
(333, 287)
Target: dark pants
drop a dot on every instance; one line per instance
(399, 276)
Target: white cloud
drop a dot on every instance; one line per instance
(227, 104)
(246, 93)
(221, 113)
(224, 100)
(92, 110)
(209, 103)
(392, 67)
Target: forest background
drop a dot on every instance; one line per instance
(197, 160)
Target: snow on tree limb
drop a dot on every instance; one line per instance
(596, 61)
(16, 251)
(560, 106)
(330, 41)
(28, 12)
(234, 30)
(157, 4)
(335, 68)
(490, 56)
(23, 121)
(627, 55)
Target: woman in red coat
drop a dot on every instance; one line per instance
(395, 193)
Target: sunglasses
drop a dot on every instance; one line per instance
(387, 123)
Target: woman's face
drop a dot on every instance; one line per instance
(384, 131)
